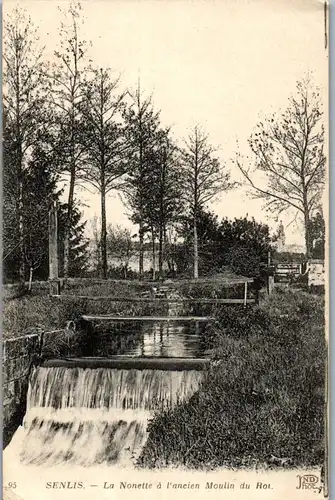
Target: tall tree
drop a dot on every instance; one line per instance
(66, 80)
(104, 143)
(141, 129)
(40, 188)
(164, 202)
(203, 179)
(24, 111)
(289, 152)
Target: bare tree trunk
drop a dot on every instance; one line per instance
(153, 257)
(160, 252)
(308, 241)
(103, 235)
(195, 255)
(67, 262)
(30, 278)
(19, 159)
(141, 251)
(22, 270)
(66, 251)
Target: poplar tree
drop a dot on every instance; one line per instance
(25, 115)
(203, 178)
(66, 79)
(164, 204)
(141, 129)
(104, 143)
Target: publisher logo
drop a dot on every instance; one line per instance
(307, 482)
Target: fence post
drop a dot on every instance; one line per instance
(269, 273)
(245, 293)
(54, 282)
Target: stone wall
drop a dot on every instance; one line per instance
(18, 355)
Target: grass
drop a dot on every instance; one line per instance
(262, 400)
(107, 288)
(26, 313)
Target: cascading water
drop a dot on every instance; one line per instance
(94, 416)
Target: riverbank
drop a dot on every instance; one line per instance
(262, 402)
(22, 315)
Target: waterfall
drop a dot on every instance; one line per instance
(94, 416)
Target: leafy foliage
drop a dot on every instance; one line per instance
(318, 236)
(241, 244)
(142, 130)
(78, 243)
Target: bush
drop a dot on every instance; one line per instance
(262, 400)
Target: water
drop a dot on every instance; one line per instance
(168, 340)
(96, 416)
(165, 339)
(80, 420)
(84, 429)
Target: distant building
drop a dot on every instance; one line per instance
(280, 241)
(316, 272)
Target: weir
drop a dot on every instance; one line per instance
(126, 363)
(94, 410)
(89, 416)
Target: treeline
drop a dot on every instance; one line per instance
(72, 121)
(241, 245)
(68, 121)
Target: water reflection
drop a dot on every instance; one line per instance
(168, 340)
(161, 339)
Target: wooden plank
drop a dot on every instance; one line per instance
(183, 300)
(223, 281)
(169, 284)
(109, 317)
(172, 284)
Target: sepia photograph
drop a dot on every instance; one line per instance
(165, 249)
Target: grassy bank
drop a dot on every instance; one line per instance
(23, 314)
(262, 400)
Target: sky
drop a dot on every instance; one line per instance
(224, 64)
